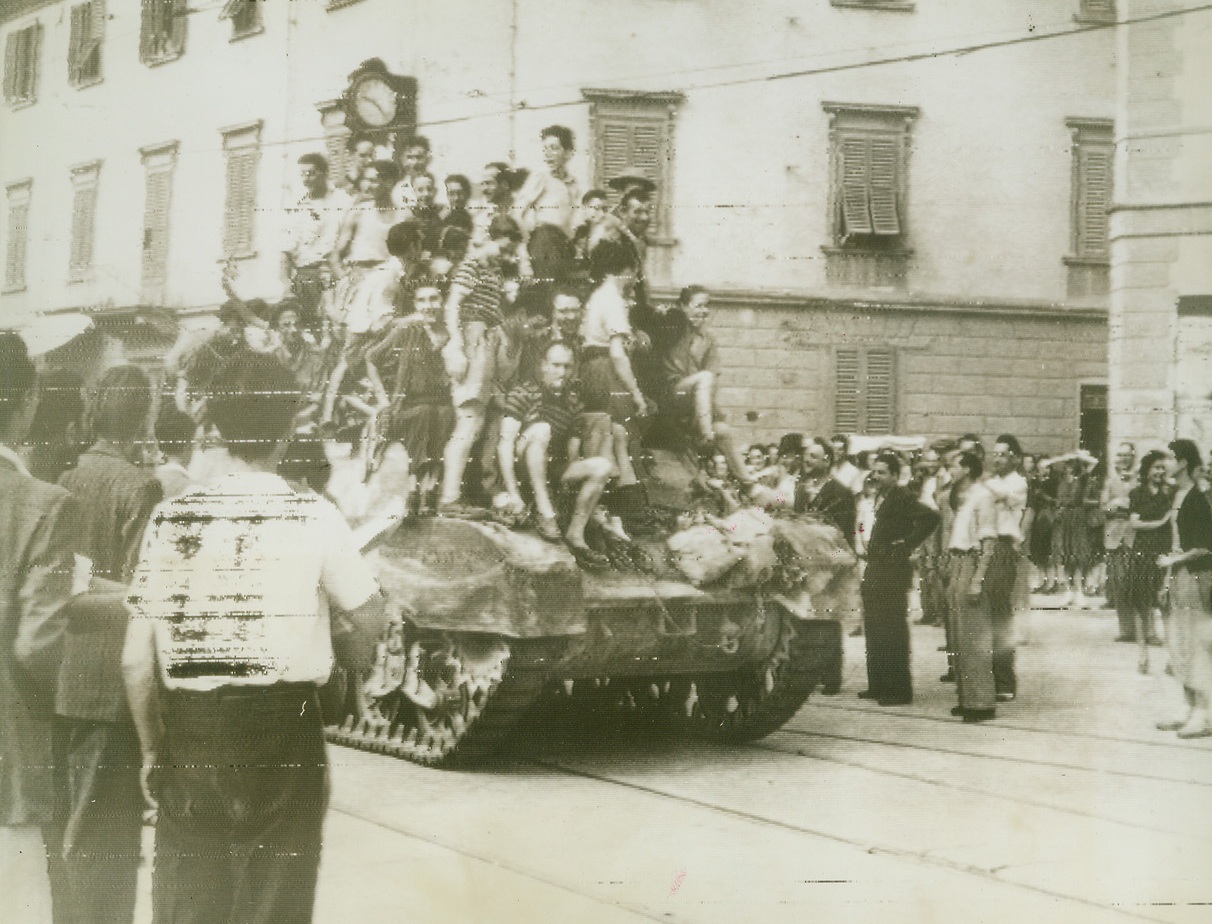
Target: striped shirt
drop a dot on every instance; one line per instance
(531, 403)
(484, 292)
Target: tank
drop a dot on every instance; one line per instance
(490, 623)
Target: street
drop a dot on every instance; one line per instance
(1069, 807)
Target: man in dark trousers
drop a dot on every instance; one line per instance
(902, 523)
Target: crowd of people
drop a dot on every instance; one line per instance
(175, 585)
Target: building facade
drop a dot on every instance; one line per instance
(1161, 227)
(900, 206)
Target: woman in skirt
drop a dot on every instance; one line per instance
(1190, 565)
(1150, 537)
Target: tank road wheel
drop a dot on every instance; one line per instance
(753, 701)
(466, 694)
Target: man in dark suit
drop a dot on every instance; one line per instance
(821, 495)
(902, 523)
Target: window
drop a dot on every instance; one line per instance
(864, 391)
(162, 34)
(21, 52)
(245, 16)
(632, 133)
(84, 48)
(17, 245)
(1093, 162)
(1093, 11)
(159, 162)
(868, 189)
(84, 217)
(242, 144)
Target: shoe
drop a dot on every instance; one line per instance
(1125, 638)
(927, 621)
(868, 694)
(1067, 600)
(1080, 602)
(1154, 641)
(1005, 697)
(894, 700)
(856, 633)
(948, 677)
(548, 528)
(460, 511)
(588, 558)
(1170, 725)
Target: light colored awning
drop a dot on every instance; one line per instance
(46, 332)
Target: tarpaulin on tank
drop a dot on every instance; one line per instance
(481, 577)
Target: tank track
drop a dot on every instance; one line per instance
(479, 725)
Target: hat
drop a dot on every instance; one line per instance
(630, 180)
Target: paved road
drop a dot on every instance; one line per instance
(1069, 807)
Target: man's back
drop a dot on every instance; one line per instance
(36, 561)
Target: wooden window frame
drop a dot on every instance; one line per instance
(161, 42)
(865, 420)
(85, 44)
(242, 150)
(639, 109)
(235, 10)
(159, 161)
(22, 66)
(84, 221)
(18, 196)
(876, 256)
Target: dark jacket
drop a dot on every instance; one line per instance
(115, 499)
(834, 504)
(36, 542)
(902, 523)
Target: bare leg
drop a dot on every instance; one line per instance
(593, 474)
(622, 456)
(538, 441)
(469, 420)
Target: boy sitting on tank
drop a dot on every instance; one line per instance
(539, 429)
(687, 371)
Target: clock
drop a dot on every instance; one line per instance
(374, 100)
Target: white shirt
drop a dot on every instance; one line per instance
(975, 520)
(1010, 500)
(312, 226)
(235, 580)
(605, 317)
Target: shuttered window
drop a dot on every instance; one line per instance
(868, 183)
(242, 147)
(245, 16)
(84, 46)
(633, 135)
(159, 163)
(1093, 163)
(16, 245)
(162, 30)
(22, 50)
(84, 219)
(864, 396)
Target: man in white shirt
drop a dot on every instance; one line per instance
(311, 234)
(230, 637)
(1009, 489)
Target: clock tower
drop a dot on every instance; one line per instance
(380, 104)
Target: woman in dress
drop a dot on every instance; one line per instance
(1148, 538)
(1190, 564)
(1071, 532)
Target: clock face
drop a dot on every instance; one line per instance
(375, 101)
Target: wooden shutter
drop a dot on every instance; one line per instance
(335, 142)
(179, 21)
(75, 42)
(846, 391)
(882, 186)
(18, 234)
(84, 213)
(880, 409)
(90, 51)
(149, 31)
(12, 48)
(856, 214)
(155, 232)
(614, 151)
(632, 145)
(1094, 198)
(241, 201)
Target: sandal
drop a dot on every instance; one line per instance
(588, 558)
(548, 528)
